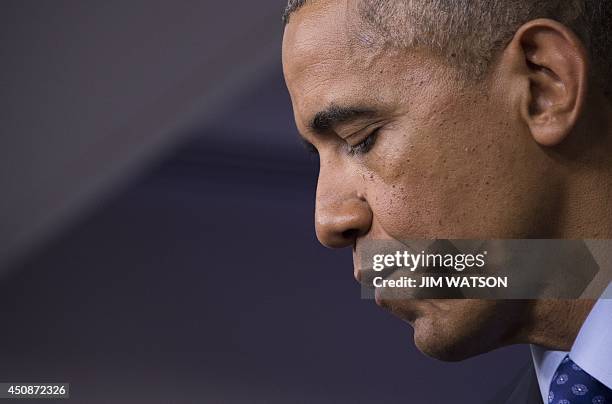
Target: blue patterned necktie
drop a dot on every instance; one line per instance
(572, 385)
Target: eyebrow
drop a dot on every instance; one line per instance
(335, 115)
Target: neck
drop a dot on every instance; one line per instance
(585, 163)
(587, 214)
(555, 323)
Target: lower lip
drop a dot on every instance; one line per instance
(407, 314)
(378, 298)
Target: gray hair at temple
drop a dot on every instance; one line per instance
(470, 33)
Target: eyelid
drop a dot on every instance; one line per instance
(367, 130)
(364, 133)
(366, 144)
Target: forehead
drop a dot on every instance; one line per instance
(324, 61)
(328, 59)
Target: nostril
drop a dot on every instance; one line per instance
(350, 234)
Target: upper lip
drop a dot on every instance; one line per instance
(365, 276)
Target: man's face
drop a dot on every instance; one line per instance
(406, 152)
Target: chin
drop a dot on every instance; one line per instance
(439, 342)
(457, 330)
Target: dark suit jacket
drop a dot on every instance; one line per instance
(523, 389)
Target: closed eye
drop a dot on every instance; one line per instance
(364, 146)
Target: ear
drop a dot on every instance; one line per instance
(553, 60)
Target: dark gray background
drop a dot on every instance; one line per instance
(156, 228)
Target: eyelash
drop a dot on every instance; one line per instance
(365, 146)
(360, 148)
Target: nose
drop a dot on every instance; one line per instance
(339, 221)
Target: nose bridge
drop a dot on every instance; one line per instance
(342, 212)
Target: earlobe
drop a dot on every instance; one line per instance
(555, 64)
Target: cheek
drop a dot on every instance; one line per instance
(412, 191)
(451, 180)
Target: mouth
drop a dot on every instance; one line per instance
(400, 303)
(366, 276)
(363, 271)
(409, 304)
(405, 309)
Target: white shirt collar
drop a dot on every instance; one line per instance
(592, 349)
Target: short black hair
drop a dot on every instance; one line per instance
(292, 6)
(470, 33)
